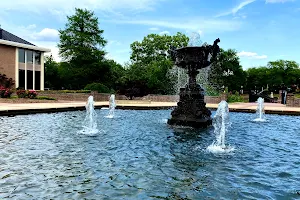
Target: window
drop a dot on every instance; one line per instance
(37, 58)
(29, 56)
(37, 80)
(21, 55)
(22, 78)
(29, 79)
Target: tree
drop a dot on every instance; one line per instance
(81, 40)
(284, 72)
(52, 79)
(150, 61)
(80, 46)
(227, 60)
(274, 75)
(155, 47)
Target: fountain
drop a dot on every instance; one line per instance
(221, 124)
(260, 110)
(90, 123)
(191, 109)
(112, 106)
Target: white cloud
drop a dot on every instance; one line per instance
(236, 8)
(194, 24)
(29, 27)
(251, 55)
(52, 46)
(164, 33)
(278, 1)
(47, 34)
(59, 7)
(153, 29)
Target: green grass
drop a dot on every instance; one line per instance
(297, 95)
(44, 98)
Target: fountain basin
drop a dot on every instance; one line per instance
(138, 156)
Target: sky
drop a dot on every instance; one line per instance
(259, 30)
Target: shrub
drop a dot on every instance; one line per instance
(5, 86)
(6, 82)
(31, 94)
(21, 93)
(235, 98)
(99, 87)
(5, 92)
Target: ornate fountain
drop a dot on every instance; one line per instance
(191, 109)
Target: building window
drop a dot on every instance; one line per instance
(21, 55)
(37, 58)
(22, 78)
(29, 79)
(37, 80)
(29, 56)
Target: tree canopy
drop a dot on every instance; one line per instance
(81, 47)
(227, 61)
(149, 69)
(150, 61)
(81, 40)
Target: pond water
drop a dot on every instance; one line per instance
(136, 155)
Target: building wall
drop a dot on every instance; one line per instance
(8, 61)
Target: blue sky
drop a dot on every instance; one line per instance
(260, 30)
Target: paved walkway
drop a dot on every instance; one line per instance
(29, 108)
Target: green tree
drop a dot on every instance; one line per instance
(284, 71)
(52, 79)
(82, 40)
(80, 47)
(150, 61)
(274, 75)
(227, 60)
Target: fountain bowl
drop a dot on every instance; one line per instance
(196, 56)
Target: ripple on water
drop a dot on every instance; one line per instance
(138, 156)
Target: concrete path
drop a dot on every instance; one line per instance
(31, 108)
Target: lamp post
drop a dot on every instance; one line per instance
(227, 73)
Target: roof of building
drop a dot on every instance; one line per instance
(5, 35)
(7, 38)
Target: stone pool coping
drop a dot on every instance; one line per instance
(12, 109)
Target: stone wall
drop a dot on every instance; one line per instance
(292, 101)
(105, 97)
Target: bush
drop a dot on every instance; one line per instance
(5, 92)
(5, 86)
(21, 93)
(6, 82)
(235, 98)
(99, 87)
(31, 94)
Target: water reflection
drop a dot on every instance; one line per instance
(137, 156)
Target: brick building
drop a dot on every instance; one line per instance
(22, 61)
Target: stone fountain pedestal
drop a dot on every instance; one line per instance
(191, 109)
